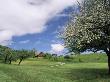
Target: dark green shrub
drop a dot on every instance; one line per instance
(67, 57)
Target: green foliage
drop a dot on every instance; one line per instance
(7, 55)
(67, 57)
(2, 51)
(48, 56)
(33, 52)
(23, 54)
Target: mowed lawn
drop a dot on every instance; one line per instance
(43, 70)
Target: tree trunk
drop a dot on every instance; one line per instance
(20, 61)
(6, 58)
(108, 55)
(108, 64)
(10, 59)
(10, 62)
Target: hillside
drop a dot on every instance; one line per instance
(42, 70)
(99, 58)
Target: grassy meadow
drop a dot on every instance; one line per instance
(85, 68)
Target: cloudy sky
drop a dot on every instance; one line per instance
(33, 23)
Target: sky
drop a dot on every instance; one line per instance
(28, 24)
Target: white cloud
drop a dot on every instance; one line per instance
(55, 48)
(7, 42)
(24, 42)
(21, 17)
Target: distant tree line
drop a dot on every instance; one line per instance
(9, 55)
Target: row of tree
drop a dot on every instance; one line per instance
(7, 55)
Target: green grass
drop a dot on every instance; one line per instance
(96, 58)
(89, 58)
(43, 70)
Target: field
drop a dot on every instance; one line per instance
(43, 70)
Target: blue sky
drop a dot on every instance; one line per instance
(43, 41)
(27, 24)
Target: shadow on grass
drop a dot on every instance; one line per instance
(89, 74)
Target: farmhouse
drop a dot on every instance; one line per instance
(39, 55)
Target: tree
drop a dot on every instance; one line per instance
(3, 53)
(6, 54)
(90, 29)
(33, 52)
(48, 56)
(23, 54)
(12, 56)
